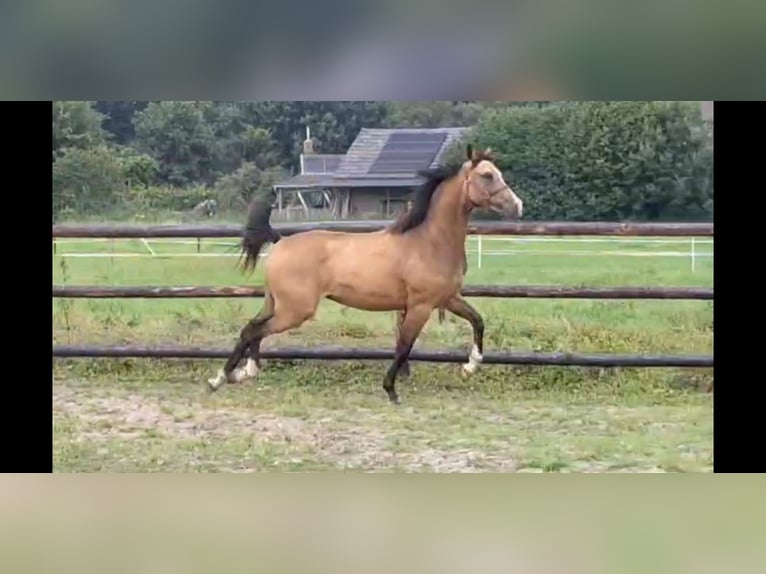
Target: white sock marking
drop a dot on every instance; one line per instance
(249, 372)
(473, 360)
(251, 368)
(217, 381)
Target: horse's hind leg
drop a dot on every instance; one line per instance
(286, 314)
(414, 320)
(252, 351)
(250, 333)
(404, 370)
(253, 364)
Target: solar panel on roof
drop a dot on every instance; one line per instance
(417, 137)
(398, 167)
(408, 152)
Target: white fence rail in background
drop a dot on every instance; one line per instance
(481, 245)
(482, 251)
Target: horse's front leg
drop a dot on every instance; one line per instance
(404, 370)
(462, 308)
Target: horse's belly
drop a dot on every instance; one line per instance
(362, 271)
(369, 298)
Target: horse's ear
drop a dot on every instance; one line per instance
(473, 156)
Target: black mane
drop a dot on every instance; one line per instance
(421, 203)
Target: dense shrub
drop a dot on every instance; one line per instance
(234, 191)
(87, 180)
(566, 160)
(605, 160)
(167, 198)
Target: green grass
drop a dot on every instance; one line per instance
(141, 415)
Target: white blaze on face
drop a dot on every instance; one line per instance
(511, 201)
(517, 203)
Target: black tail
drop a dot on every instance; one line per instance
(258, 231)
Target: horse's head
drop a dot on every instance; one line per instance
(486, 187)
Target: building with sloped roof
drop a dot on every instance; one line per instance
(374, 178)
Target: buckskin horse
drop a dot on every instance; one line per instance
(419, 265)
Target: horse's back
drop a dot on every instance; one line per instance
(319, 247)
(361, 270)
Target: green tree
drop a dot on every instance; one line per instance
(118, 118)
(440, 114)
(76, 124)
(181, 137)
(259, 147)
(239, 139)
(433, 114)
(235, 190)
(139, 169)
(87, 180)
(604, 160)
(334, 125)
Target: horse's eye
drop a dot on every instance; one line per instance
(488, 176)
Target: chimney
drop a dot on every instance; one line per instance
(308, 145)
(308, 149)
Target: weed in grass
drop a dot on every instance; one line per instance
(66, 304)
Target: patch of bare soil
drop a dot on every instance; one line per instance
(110, 416)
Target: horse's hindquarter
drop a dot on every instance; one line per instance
(293, 263)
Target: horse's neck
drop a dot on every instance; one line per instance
(448, 221)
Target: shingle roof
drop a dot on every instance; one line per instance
(305, 181)
(369, 143)
(353, 167)
(376, 181)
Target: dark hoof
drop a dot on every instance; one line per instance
(394, 400)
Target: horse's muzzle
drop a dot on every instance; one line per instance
(517, 208)
(511, 210)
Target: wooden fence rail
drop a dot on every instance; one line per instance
(346, 353)
(499, 291)
(339, 353)
(474, 228)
